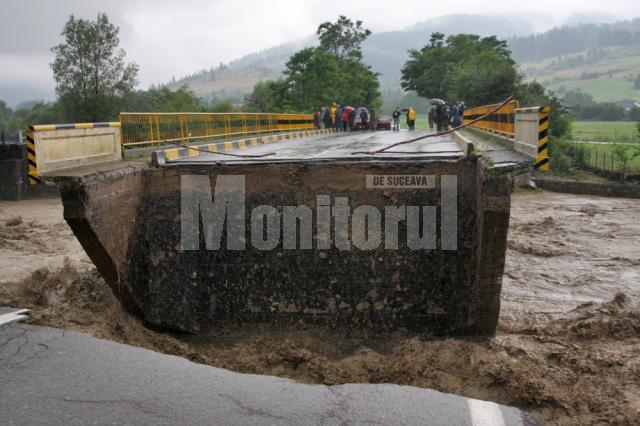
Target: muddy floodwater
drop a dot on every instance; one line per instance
(568, 341)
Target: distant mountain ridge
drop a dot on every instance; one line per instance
(573, 39)
(546, 54)
(385, 52)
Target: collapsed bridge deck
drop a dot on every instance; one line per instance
(437, 265)
(352, 145)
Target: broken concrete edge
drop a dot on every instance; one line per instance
(163, 156)
(507, 142)
(124, 178)
(465, 144)
(494, 209)
(113, 212)
(519, 170)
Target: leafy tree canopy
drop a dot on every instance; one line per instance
(317, 76)
(478, 71)
(462, 67)
(90, 70)
(343, 38)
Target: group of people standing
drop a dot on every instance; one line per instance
(439, 116)
(342, 118)
(347, 118)
(411, 118)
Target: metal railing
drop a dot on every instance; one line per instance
(152, 129)
(502, 122)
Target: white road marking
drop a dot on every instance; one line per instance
(485, 413)
(13, 316)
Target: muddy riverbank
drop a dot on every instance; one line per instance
(568, 345)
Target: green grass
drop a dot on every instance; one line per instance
(618, 69)
(605, 131)
(602, 157)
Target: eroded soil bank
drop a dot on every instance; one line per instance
(568, 346)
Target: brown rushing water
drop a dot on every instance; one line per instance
(567, 348)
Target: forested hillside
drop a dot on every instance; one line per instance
(385, 52)
(574, 39)
(600, 59)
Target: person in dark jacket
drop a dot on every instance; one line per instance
(316, 118)
(327, 118)
(432, 117)
(365, 119)
(396, 119)
(338, 118)
(352, 118)
(455, 118)
(442, 117)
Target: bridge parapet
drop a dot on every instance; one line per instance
(154, 129)
(53, 147)
(526, 128)
(531, 138)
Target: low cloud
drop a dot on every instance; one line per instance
(168, 38)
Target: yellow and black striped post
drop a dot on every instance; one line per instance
(542, 157)
(32, 170)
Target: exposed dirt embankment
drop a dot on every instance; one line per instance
(568, 345)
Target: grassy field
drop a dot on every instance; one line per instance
(615, 71)
(601, 156)
(605, 131)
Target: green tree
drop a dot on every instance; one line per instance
(462, 67)
(161, 100)
(5, 116)
(625, 153)
(342, 38)
(220, 106)
(269, 96)
(39, 113)
(261, 97)
(90, 70)
(478, 71)
(534, 94)
(317, 76)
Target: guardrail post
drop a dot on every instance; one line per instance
(542, 157)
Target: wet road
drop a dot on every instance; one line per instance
(52, 376)
(343, 146)
(358, 145)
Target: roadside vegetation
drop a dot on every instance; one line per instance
(102, 86)
(318, 76)
(460, 67)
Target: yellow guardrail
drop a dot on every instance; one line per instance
(501, 122)
(148, 129)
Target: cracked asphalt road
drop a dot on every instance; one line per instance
(51, 376)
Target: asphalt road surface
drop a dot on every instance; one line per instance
(357, 145)
(344, 145)
(51, 376)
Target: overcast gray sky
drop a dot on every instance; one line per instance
(178, 37)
